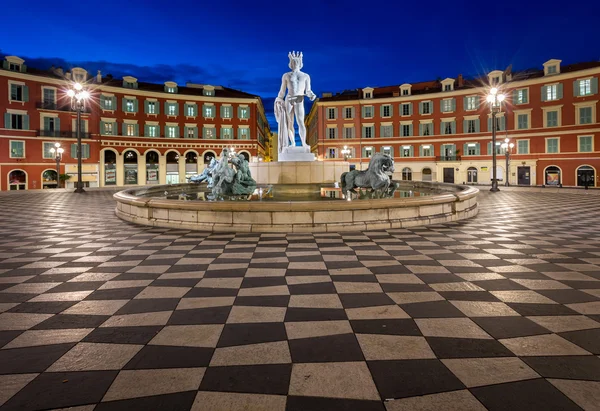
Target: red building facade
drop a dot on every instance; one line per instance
(133, 133)
(442, 130)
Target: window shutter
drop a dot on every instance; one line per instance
(441, 106)
(204, 107)
(47, 123)
(25, 93)
(146, 103)
(203, 132)
(135, 105)
(420, 129)
(23, 68)
(420, 151)
(102, 127)
(489, 127)
(5, 64)
(559, 91)
(454, 127)
(502, 123)
(594, 85)
(25, 122)
(544, 93)
(222, 113)
(381, 131)
(166, 107)
(124, 103)
(526, 96)
(420, 107)
(352, 111)
(576, 88)
(364, 133)
(515, 97)
(177, 135)
(335, 113)
(410, 129)
(57, 125)
(222, 135)
(124, 128)
(73, 150)
(465, 147)
(363, 112)
(477, 127)
(453, 104)
(176, 108)
(85, 151)
(146, 130)
(195, 132)
(114, 102)
(489, 148)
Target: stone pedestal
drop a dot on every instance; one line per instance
(298, 172)
(296, 154)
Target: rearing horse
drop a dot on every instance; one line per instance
(373, 177)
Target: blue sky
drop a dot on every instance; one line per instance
(346, 44)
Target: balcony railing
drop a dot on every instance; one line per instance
(61, 134)
(57, 107)
(447, 158)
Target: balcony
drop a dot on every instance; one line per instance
(447, 158)
(61, 134)
(43, 105)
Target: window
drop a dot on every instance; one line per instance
(551, 92)
(472, 149)
(471, 126)
(387, 131)
(226, 133)
(47, 150)
(471, 103)
(405, 92)
(585, 115)
(16, 121)
(552, 145)
(14, 67)
(332, 133)
(348, 132)
(522, 121)
(368, 131)
(208, 92)
(522, 146)
(552, 119)
(129, 84)
(332, 153)
(190, 132)
(85, 151)
(171, 110)
(406, 109)
(551, 69)
(498, 148)
(209, 111)
(108, 103)
(244, 112)
(49, 96)
(448, 127)
(171, 89)
(425, 107)
(406, 130)
(406, 151)
(367, 111)
(426, 151)
(348, 112)
(448, 87)
(51, 124)
(108, 128)
(152, 131)
(368, 95)
(585, 87)
(386, 110)
(130, 129)
(387, 150)
(244, 134)
(17, 149)
(426, 129)
(18, 92)
(152, 107)
(368, 152)
(494, 80)
(331, 113)
(129, 106)
(585, 144)
(226, 111)
(520, 96)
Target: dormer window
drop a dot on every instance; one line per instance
(208, 91)
(14, 67)
(552, 67)
(495, 78)
(170, 87)
(79, 75)
(448, 84)
(552, 70)
(130, 82)
(14, 63)
(405, 89)
(368, 92)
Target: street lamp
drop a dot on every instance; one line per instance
(57, 150)
(346, 153)
(78, 97)
(507, 146)
(495, 101)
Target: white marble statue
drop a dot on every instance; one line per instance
(297, 84)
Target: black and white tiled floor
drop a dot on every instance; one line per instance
(500, 312)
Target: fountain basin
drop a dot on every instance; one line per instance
(450, 203)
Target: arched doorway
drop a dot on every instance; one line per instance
(17, 180)
(49, 179)
(427, 174)
(191, 164)
(586, 176)
(172, 167)
(552, 176)
(406, 174)
(130, 162)
(472, 175)
(110, 168)
(246, 155)
(209, 155)
(152, 168)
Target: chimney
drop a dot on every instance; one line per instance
(325, 94)
(99, 77)
(460, 80)
(59, 71)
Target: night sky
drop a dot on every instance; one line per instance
(346, 44)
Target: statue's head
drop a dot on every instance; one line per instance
(295, 60)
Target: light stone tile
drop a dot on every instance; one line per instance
(448, 401)
(591, 308)
(189, 335)
(484, 309)
(569, 276)
(264, 291)
(394, 347)
(522, 296)
(146, 383)
(194, 261)
(112, 285)
(376, 313)
(32, 338)
(30, 288)
(7, 306)
(311, 329)
(93, 277)
(80, 408)
(21, 321)
(478, 256)
(151, 269)
(67, 270)
(541, 284)
(511, 269)
(542, 345)
(565, 323)
(459, 286)
(415, 297)
(350, 271)
(335, 380)
(204, 302)
(475, 372)
(265, 272)
(67, 296)
(12, 384)
(586, 394)
(253, 354)
(480, 276)
(308, 279)
(243, 314)
(182, 275)
(93, 357)
(458, 263)
(141, 319)
(428, 269)
(307, 265)
(220, 283)
(15, 280)
(315, 301)
(269, 260)
(356, 288)
(398, 279)
(99, 307)
(594, 292)
(380, 263)
(451, 327)
(233, 401)
(162, 292)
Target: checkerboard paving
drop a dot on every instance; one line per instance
(498, 312)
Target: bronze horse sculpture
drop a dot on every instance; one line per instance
(374, 177)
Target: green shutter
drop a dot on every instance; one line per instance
(381, 108)
(515, 97)
(453, 127)
(223, 112)
(335, 113)
(204, 107)
(146, 130)
(502, 123)
(559, 91)
(74, 151)
(489, 125)
(420, 129)
(177, 134)
(544, 93)
(146, 103)
(453, 104)
(363, 113)
(25, 93)
(410, 129)
(85, 150)
(47, 123)
(441, 106)
(420, 107)
(166, 107)
(7, 120)
(594, 85)
(57, 125)
(102, 127)
(124, 103)
(477, 126)
(203, 132)
(5, 64)
(176, 108)
(135, 105)
(124, 129)
(576, 88)
(25, 122)
(465, 148)
(195, 132)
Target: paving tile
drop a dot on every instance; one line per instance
(394, 347)
(95, 356)
(168, 402)
(484, 309)
(261, 379)
(156, 356)
(475, 372)
(451, 327)
(445, 347)
(541, 345)
(310, 329)
(123, 335)
(229, 401)
(589, 340)
(243, 334)
(33, 338)
(564, 323)
(435, 309)
(331, 348)
(11, 384)
(253, 354)
(188, 335)
(586, 394)
(461, 400)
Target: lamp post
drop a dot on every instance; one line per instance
(495, 99)
(346, 153)
(507, 146)
(57, 150)
(78, 97)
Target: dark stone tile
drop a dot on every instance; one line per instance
(315, 288)
(390, 269)
(212, 315)
(244, 334)
(47, 307)
(585, 367)
(568, 296)
(251, 282)
(337, 404)
(581, 285)
(77, 286)
(293, 272)
(158, 356)
(186, 268)
(62, 389)
(409, 288)
(115, 294)
(31, 359)
(211, 292)
(66, 321)
(526, 309)
(149, 305)
(509, 327)
(314, 314)
(531, 395)
(499, 285)
(386, 326)
(52, 278)
(181, 401)
(440, 278)
(8, 336)
(444, 347)
(304, 258)
(263, 379)
(432, 309)
(166, 260)
(367, 278)
(332, 348)
(179, 282)
(468, 296)
(136, 276)
(123, 335)
(264, 301)
(365, 300)
(15, 297)
(229, 273)
(409, 378)
(587, 339)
